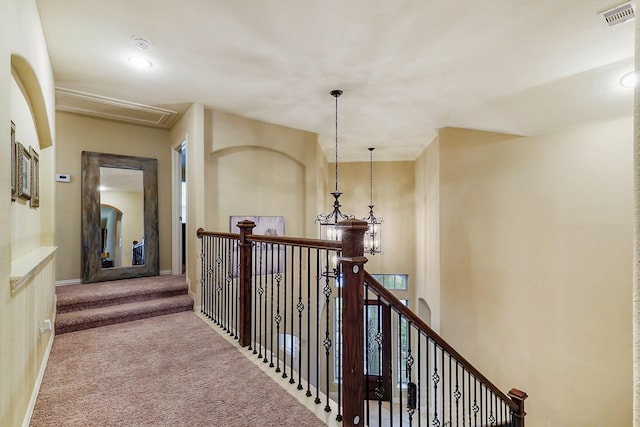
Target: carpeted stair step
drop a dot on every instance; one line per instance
(108, 315)
(80, 297)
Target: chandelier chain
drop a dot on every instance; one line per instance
(371, 175)
(336, 96)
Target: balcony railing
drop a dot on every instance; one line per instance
(309, 310)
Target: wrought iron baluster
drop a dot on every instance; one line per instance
(449, 392)
(208, 273)
(399, 367)
(277, 317)
(216, 275)
(254, 301)
(293, 319)
(317, 400)
(427, 371)
(436, 379)
(411, 406)
(470, 407)
(494, 412)
(206, 253)
(309, 255)
(273, 273)
(380, 391)
(444, 384)
(483, 412)
(327, 335)
(475, 400)
(260, 292)
(220, 280)
(202, 281)
(458, 395)
(419, 378)
(284, 317)
(339, 343)
(291, 332)
(389, 363)
(367, 353)
(264, 272)
(300, 308)
(236, 293)
(227, 284)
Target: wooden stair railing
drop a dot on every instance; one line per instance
(277, 294)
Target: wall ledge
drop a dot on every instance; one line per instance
(24, 267)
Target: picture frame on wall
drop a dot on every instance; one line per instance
(13, 161)
(23, 172)
(35, 178)
(272, 258)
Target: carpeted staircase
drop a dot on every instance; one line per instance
(92, 305)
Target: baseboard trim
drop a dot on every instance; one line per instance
(68, 282)
(36, 388)
(165, 272)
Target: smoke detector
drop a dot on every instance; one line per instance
(619, 14)
(142, 43)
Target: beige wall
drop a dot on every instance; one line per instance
(536, 266)
(427, 234)
(257, 168)
(190, 128)
(393, 199)
(77, 133)
(25, 73)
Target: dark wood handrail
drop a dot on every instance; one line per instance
(202, 232)
(283, 240)
(298, 241)
(394, 302)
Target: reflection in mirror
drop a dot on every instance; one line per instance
(111, 231)
(121, 217)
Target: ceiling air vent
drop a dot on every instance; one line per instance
(619, 14)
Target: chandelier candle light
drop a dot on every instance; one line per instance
(373, 236)
(328, 223)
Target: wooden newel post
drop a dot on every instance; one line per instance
(518, 397)
(352, 262)
(244, 309)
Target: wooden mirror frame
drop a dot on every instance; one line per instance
(92, 270)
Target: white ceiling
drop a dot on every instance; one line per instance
(407, 67)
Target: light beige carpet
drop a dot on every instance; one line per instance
(170, 370)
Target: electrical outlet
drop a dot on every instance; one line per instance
(45, 326)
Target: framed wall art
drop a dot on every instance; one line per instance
(13, 161)
(23, 172)
(35, 178)
(265, 255)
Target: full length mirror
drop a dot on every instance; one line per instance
(119, 217)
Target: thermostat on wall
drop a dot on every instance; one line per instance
(62, 177)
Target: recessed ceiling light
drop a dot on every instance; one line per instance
(140, 62)
(629, 80)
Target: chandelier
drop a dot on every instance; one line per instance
(329, 223)
(373, 236)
